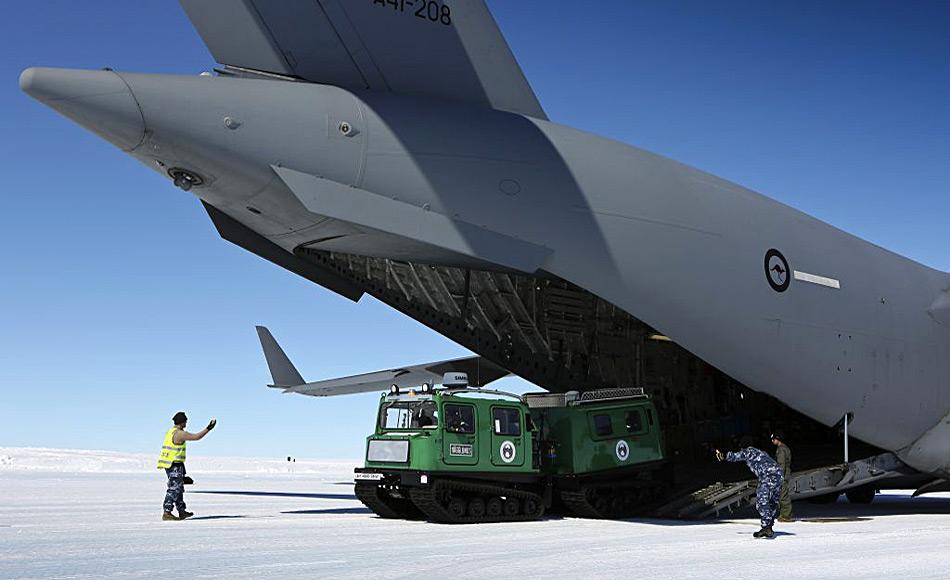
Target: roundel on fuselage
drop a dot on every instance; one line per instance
(777, 271)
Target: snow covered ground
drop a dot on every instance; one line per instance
(97, 514)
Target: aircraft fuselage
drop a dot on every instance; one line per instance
(784, 303)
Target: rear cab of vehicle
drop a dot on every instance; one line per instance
(597, 432)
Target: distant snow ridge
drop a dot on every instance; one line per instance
(28, 459)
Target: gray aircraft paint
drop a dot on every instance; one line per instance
(438, 181)
(478, 370)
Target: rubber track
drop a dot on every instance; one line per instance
(389, 508)
(578, 502)
(426, 499)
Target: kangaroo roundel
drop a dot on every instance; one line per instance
(777, 270)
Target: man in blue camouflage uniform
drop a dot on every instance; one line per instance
(769, 474)
(175, 495)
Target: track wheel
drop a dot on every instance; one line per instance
(456, 507)
(511, 507)
(494, 507)
(530, 506)
(617, 505)
(476, 507)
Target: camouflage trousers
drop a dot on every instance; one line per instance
(175, 496)
(766, 499)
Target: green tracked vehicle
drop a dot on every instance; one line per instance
(461, 455)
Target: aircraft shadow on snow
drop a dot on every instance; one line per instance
(842, 511)
(882, 506)
(282, 494)
(341, 511)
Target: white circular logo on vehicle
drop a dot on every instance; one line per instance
(623, 450)
(507, 451)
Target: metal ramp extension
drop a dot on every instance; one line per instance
(730, 497)
(711, 500)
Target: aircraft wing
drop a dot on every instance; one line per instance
(448, 49)
(285, 375)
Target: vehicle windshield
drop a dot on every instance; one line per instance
(408, 415)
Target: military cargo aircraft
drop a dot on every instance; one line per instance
(395, 148)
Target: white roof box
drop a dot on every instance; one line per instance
(455, 380)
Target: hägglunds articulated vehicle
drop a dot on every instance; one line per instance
(459, 454)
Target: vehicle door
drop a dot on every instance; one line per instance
(644, 445)
(507, 436)
(459, 441)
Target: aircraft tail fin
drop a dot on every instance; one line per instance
(448, 49)
(282, 371)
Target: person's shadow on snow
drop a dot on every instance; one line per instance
(775, 534)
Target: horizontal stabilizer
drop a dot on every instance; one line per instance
(282, 370)
(447, 49)
(480, 372)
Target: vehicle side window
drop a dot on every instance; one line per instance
(602, 426)
(507, 421)
(634, 421)
(460, 418)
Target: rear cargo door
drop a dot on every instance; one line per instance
(507, 436)
(459, 442)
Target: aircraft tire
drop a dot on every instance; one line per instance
(824, 499)
(861, 495)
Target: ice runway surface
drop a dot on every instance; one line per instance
(86, 525)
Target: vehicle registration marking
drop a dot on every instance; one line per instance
(368, 476)
(460, 450)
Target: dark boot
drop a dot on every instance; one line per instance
(184, 514)
(764, 533)
(169, 517)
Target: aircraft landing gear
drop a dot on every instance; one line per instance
(861, 495)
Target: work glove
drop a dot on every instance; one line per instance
(188, 480)
(212, 424)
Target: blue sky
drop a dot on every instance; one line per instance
(121, 305)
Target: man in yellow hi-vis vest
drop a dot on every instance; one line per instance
(172, 460)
